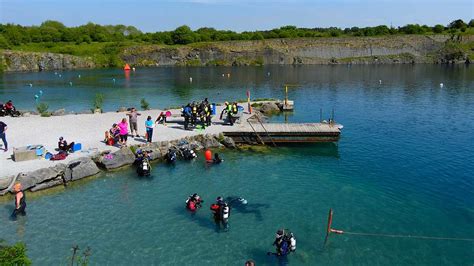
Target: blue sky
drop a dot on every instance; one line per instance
(159, 15)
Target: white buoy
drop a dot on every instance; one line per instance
(380, 81)
(31, 85)
(190, 80)
(133, 68)
(55, 73)
(79, 76)
(268, 74)
(223, 75)
(59, 75)
(113, 80)
(441, 85)
(70, 83)
(228, 75)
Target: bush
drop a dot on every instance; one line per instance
(98, 102)
(42, 109)
(144, 104)
(438, 28)
(13, 255)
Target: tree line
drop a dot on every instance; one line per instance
(53, 31)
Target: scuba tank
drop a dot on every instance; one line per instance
(225, 211)
(292, 243)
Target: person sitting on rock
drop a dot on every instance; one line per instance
(63, 146)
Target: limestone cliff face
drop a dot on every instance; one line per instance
(402, 49)
(356, 50)
(30, 61)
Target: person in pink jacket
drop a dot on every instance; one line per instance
(123, 132)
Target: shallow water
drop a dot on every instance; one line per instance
(404, 166)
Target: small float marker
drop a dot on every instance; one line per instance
(190, 79)
(113, 80)
(380, 81)
(441, 85)
(79, 76)
(133, 68)
(70, 83)
(31, 85)
(59, 75)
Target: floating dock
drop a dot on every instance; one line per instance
(273, 133)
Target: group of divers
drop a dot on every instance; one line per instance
(204, 111)
(285, 241)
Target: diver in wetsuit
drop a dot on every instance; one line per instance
(221, 213)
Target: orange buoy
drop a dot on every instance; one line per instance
(126, 67)
(208, 155)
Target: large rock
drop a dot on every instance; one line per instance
(59, 112)
(120, 158)
(228, 142)
(80, 168)
(51, 183)
(208, 141)
(31, 179)
(269, 108)
(5, 184)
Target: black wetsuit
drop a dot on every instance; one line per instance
(22, 209)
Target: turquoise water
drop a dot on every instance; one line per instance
(404, 165)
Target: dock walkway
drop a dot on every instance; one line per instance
(268, 133)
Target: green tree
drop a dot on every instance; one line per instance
(182, 35)
(13, 255)
(457, 24)
(257, 36)
(438, 28)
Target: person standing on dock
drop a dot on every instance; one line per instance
(3, 129)
(133, 119)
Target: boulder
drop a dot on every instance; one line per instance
(120, 158)
(208, 141)
(51, 183)
(59, 112)
(228, 142)
(269, 108)
(31, 179)
(6, 181)
(6, 184)
(80, 168)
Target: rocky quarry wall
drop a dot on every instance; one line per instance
(400, 49)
